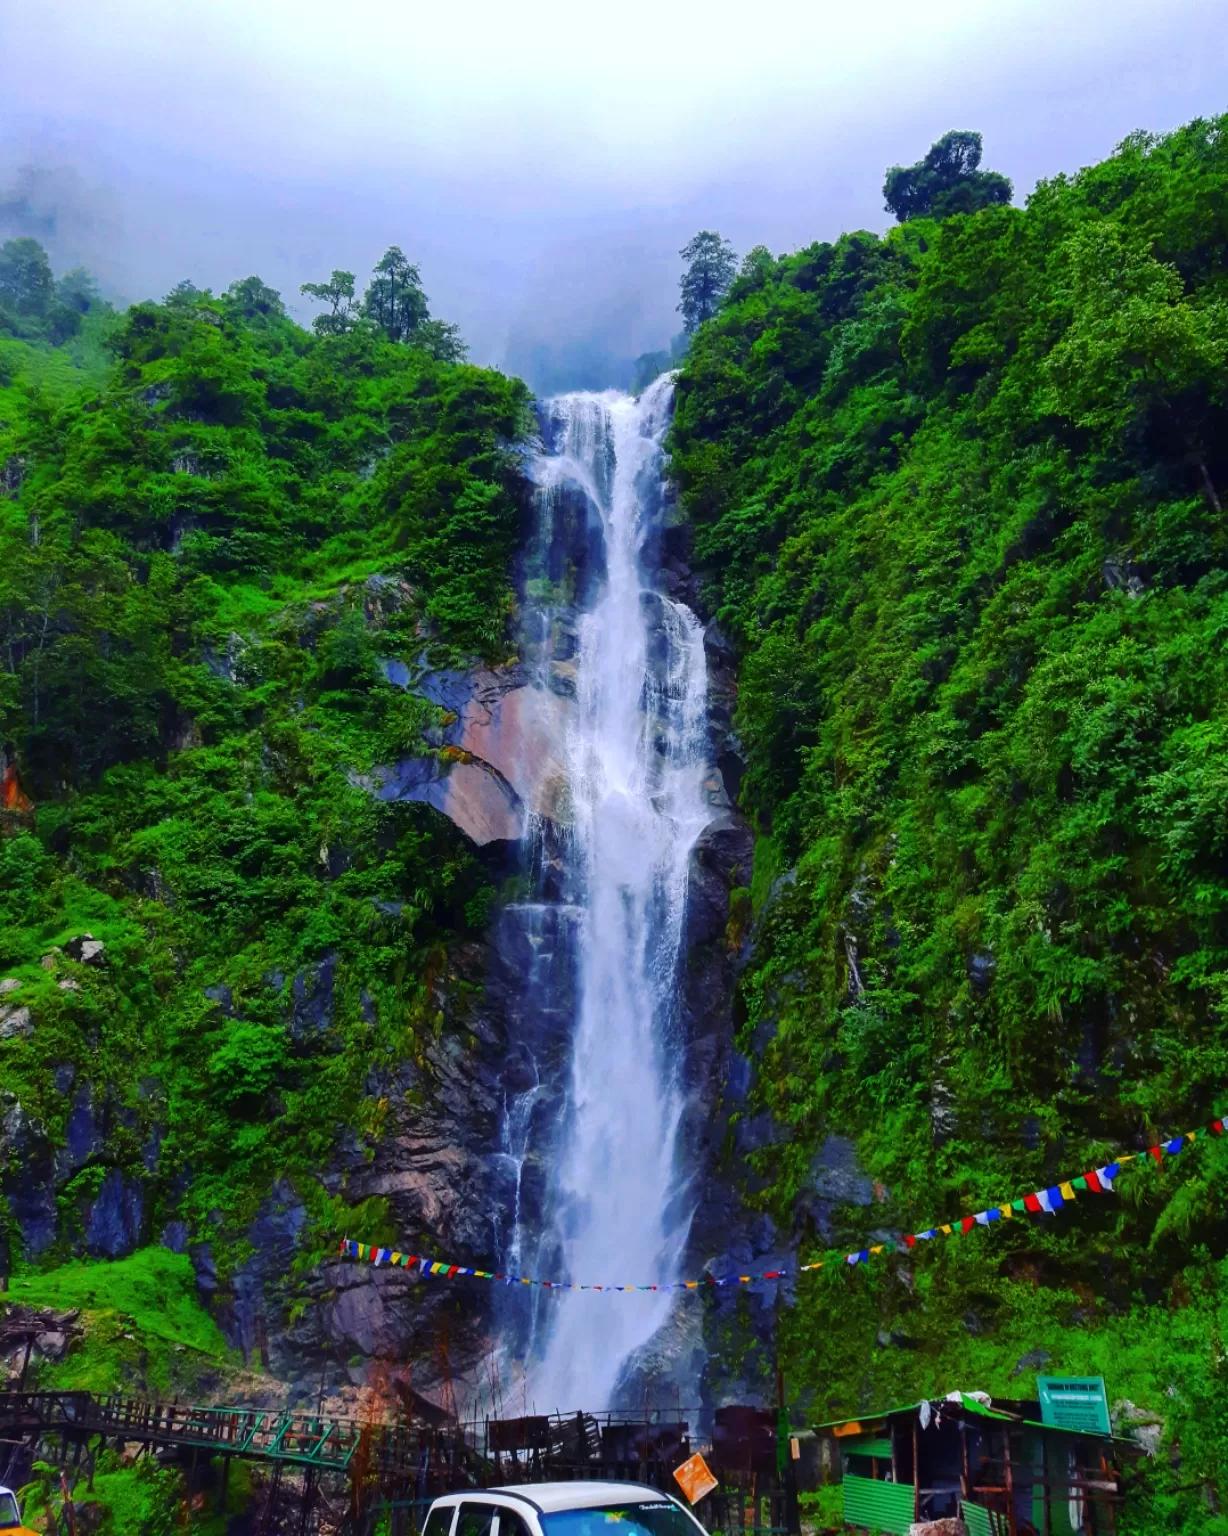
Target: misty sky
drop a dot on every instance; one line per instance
(543, 162)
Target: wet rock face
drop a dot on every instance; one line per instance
(27, 1175)
(437, 1165)
(113, 1225)
(108, 1222)
(499, 759)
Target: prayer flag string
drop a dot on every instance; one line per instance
(1095, 1181)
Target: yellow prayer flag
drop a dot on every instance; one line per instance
(1066, 1191)
(396, 1258)
(879, 1249)
(946, 1231)
(1005, 1211)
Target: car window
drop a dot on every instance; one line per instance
(439, 1521)
(658, 1518)
(510, 1524)
(10, 1516)
(476, 1519)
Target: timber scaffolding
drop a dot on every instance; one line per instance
(396, 1467)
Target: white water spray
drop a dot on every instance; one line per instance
(636, 763)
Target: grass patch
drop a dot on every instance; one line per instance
(144, 1327)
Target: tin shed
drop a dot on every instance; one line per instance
(998, 1464)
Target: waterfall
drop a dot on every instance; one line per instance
(615, 1207)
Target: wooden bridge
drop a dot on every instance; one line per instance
(293, 1436)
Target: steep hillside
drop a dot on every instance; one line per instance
(958, 498)
(213, 936)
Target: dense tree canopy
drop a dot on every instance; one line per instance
(958, 494)
(207, 555)
(947, 181)
(394, 303)
(33, 305)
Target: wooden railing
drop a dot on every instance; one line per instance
(299, 1437)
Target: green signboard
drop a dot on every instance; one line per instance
(1075, 1402)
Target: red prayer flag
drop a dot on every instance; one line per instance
(1217, 1127)
(1032, 1203)
(1157, 1153)
(967, 1224)
(1093, 1183)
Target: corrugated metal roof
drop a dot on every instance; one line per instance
(869, 1421)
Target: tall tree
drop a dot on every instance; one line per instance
(26, 285)
(77, 290)
(185, 294)
(949, 180)
(253, 298)
(441, 339)
(711, 265)
(395, 299)
(338, 294)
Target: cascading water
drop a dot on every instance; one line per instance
(615, 1206)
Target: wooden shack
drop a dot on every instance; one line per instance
(999, 1464)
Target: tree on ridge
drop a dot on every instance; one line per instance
(949, 180)
(338, 292)
(711, 265)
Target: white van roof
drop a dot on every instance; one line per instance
(547, 1498)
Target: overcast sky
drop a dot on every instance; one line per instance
(543, 162)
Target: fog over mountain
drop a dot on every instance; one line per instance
(542, 165)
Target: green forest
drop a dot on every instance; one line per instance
(957, 497)
(217, 526)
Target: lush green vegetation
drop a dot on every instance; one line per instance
(142, 1327)
(957, 494)
(205, 555)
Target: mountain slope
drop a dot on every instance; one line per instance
(957, 494)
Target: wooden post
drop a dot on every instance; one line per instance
(1010, 1485)
(225, 1485)
(1109, 1473)
(69, 1508)
(965, 1480)
(916, 1471)
(309, 1488)
(895, 1458)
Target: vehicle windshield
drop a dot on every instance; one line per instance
(653, 1519)
(10, 1516)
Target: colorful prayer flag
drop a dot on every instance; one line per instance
(1095, 1181)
